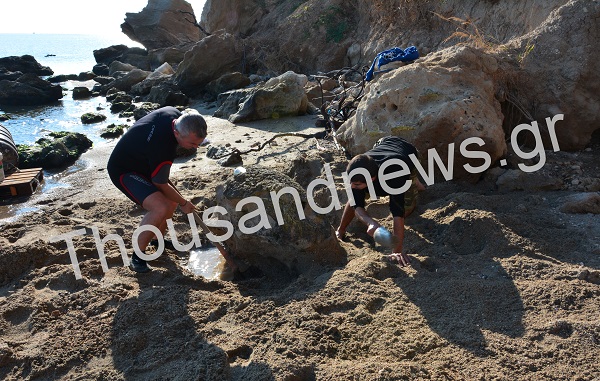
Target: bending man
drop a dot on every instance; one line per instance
(401, 204)
(141, 161)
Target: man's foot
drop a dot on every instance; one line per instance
(168, 244)
(139, 265)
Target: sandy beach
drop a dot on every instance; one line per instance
(504, 285)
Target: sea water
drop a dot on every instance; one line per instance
(64, 54)
(206, 261)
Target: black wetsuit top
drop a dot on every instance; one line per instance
(390, 147)
(147, 148)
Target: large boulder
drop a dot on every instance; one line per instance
(167, 94)
(107, 55)
(561, 62)
(25, 64)
(162, 74)
(444, 99)
(126, 82)
(229, 102)
(209, 59)
(172, 54)
(135, 56)
(278, 97)
(118, 66)
(161, 24)
(226, 82)
(276, 244)
(29, 90)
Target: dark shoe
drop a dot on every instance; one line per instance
(139, 265)
(168, 244)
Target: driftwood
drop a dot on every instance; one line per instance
(235, 151)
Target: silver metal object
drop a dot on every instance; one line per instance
(383, 237)
(239, 171)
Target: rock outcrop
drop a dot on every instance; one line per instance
(278, 97)
(560, 61)
(29, 90)
(229, 81)
(209, 59)
(135, 56)
(276, 240)
(127, 81)
(24, 64)
(235, 16)
(442, 100)
(162, 24)
(59, 152)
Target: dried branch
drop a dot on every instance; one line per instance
(317, 135)
(195, 22)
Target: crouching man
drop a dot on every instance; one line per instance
(386, 153)
(140, 164)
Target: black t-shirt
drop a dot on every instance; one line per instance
(390, 147)
(148, 147)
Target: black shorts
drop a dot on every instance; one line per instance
(134, 185)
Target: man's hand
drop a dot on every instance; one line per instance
(187, 208)
(372, 227)
(399, 258)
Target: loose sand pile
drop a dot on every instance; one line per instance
(503, 286)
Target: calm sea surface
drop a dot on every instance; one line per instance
(64, 54)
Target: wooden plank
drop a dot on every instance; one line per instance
(22, 183)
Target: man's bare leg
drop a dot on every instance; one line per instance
(160, 209)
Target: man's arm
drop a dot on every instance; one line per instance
(399, 233)
(402, 258)
(362, 214)
(172, 194)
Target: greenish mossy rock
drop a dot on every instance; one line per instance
(58, 150)
(144, 109)
(113, 131)
(276, 240)
(92, 117)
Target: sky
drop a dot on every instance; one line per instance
(71, 16)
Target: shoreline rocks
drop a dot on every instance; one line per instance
(62, 150)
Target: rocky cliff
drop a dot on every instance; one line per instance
(543, 61)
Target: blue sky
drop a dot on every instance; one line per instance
(71, 16)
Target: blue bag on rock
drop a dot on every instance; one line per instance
(391, 55)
